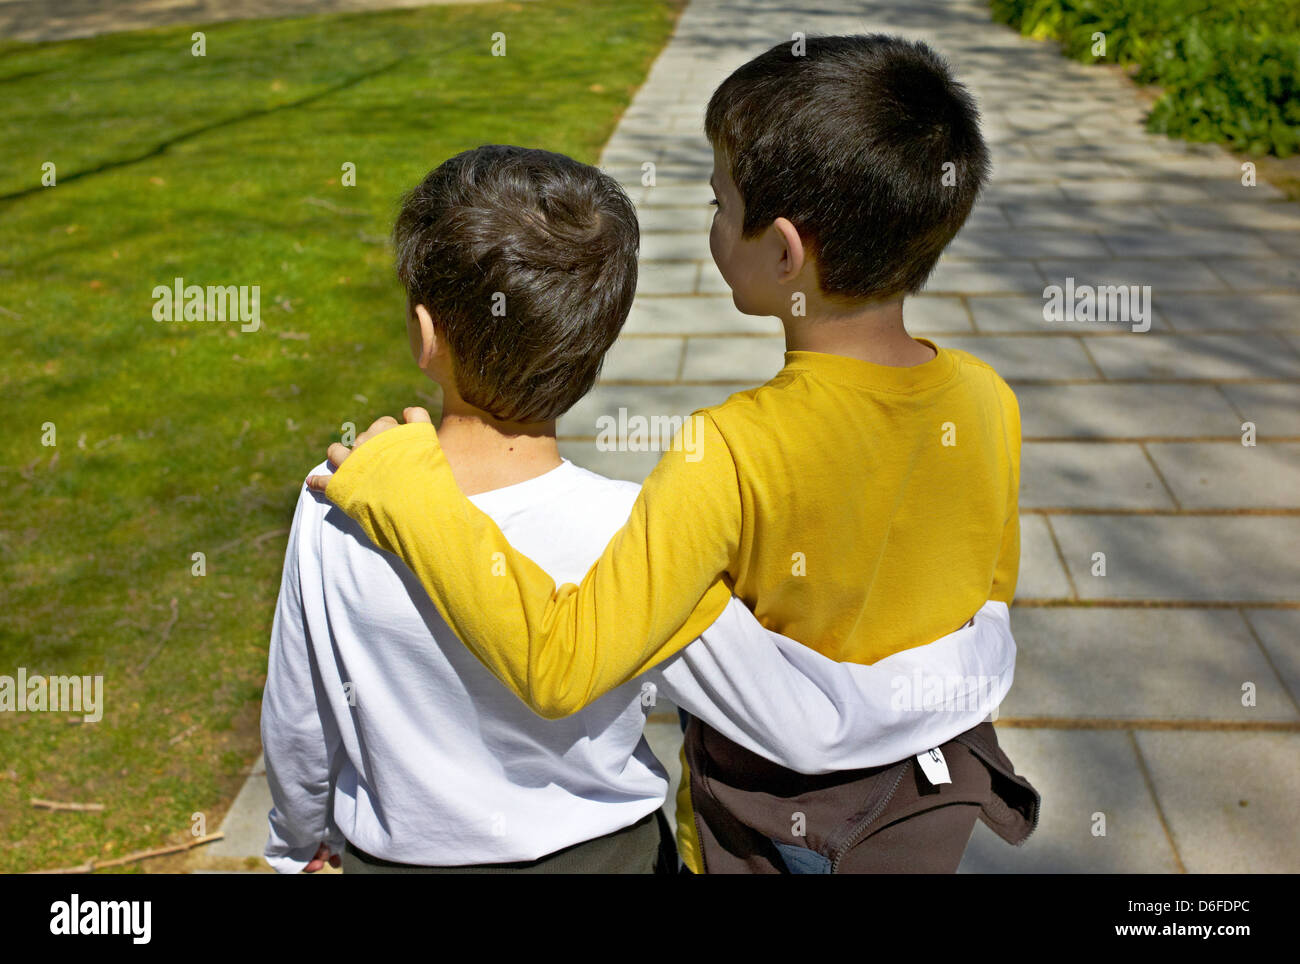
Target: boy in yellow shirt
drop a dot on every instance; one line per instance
(863, 501)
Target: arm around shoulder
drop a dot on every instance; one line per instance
(654, 589)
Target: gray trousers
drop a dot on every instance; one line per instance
(633, 850)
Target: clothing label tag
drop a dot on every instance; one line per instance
(934, 766)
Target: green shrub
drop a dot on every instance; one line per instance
(1229, 70)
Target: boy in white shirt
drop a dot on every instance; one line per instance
(386, 741)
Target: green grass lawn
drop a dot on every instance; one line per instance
(179, 438)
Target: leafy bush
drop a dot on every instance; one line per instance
(1229, 69)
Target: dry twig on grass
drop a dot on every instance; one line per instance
(92, 865)
(58, 805)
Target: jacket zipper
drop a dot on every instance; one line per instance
(871, 817)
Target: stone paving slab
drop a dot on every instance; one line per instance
(998, 244)
(1219, 169)
(684, 196)
(1184, 274)
(1041, 574)
(925, 314)
(753, 360)
(704, 315)
(1128, 411)
(1226, 475)
(643, 359)
(987, 216)
(1023, 313)
(1229, 798)
(1083, 475)
(1279, 633)
(1233, 191)
(1182, 558)
(1009, 191)
(1274, 409)
(1029, 168)
(1220, 357)
(1197, 313)
(1142, 664)
(1141, 192)
(1277, 274)
(1158, 241)
(1080, 217)
(693, 246)
(1078, 773)
(1252, 217)
(1286, 243)
(978, 277)
(1029, 357)
(667, 277)
(655, 219)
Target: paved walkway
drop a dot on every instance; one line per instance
(1128, 701)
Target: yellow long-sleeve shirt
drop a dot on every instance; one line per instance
(858, 508)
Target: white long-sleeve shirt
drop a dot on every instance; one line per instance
(380, 726)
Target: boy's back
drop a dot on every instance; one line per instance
(877, 505)
(438, 763)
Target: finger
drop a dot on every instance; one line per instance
(312, 867)
(318, 483)
(416, 414)
(382, 425)
(337, 452)
(336, 861)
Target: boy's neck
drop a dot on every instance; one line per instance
(485, 453)
(871, 333)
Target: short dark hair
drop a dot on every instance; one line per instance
(552, 241)
(848, 140)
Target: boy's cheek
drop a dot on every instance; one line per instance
(724, 253)
(731, 265)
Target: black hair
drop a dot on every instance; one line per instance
(865, 143)
(527, 262)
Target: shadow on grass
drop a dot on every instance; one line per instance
(207, 128)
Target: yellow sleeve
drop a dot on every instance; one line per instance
(657, 586)
(1007, 570)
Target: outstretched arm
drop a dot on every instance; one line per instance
(657, 586)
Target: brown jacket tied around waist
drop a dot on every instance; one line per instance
(751, 813)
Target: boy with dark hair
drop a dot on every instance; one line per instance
(386, 742)
(548, 231)
(888, 466)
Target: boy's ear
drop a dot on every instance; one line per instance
(793, 256)
(428, 335)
